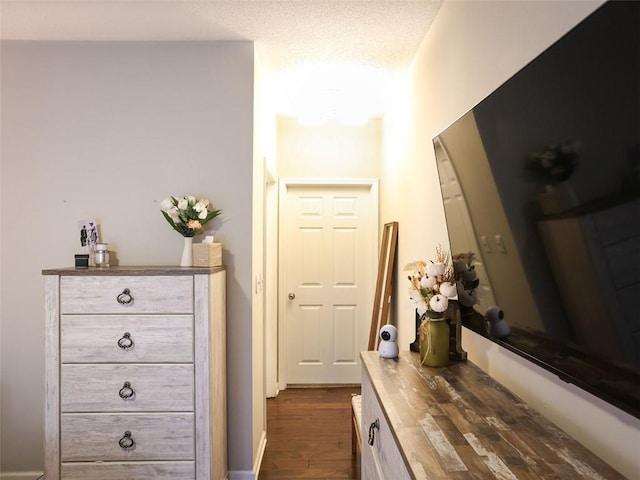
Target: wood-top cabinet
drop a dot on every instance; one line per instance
(456, 422)
(135, 373)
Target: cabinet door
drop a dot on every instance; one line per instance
(382, 460)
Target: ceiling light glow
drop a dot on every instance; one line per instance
(342, 92)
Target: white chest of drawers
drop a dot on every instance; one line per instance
(135, 373)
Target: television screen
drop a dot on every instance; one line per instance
(541, 182)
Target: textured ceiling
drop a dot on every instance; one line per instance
(382, 34)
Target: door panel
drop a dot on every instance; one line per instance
(345, 328)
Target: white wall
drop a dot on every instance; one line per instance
(329, 150)
(471, 49)
(106, 131)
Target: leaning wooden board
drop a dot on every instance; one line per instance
(458, 423)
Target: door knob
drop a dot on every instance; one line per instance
(292, 296)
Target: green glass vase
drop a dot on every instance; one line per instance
(434, 342)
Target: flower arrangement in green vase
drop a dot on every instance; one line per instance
(432, 286)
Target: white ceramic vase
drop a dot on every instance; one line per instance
(187, 253)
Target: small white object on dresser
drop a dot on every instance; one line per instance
(135, 379)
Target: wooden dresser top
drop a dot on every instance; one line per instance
(132, 270)
(457, 422)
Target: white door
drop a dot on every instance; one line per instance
(461, 232)
(328, 261)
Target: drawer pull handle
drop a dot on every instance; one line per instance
(126, 442)
(125, 298)
(372, 431)
(126, 391)
(125, 343)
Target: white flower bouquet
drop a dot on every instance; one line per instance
(432, 284)
(187, 215)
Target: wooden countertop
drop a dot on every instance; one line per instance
(457, 422)
(132, 270)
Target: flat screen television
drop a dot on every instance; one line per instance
(541, 182)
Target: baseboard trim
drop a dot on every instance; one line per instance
(242, 475)
(323, 385)
(261, 449)
(246, 475)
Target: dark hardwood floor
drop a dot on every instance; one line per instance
(309, 435)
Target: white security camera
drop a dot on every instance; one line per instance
(389, 333)
(388, 347)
